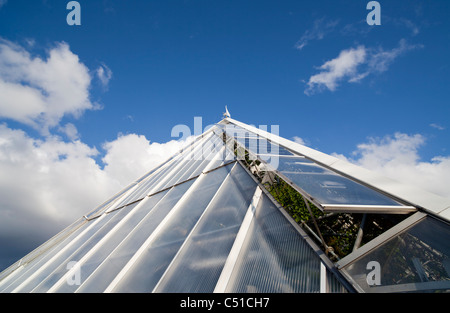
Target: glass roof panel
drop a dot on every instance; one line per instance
(97, 268)
(141, 225)
(90, 260)
(328, 187)
(415, 260)
(163, 177)
(335, 189)
(51, 271)
(259, 145)
(299, 165)
(322, 184)
(82, 248)
(253, 142)
(212, 153)
(112, 202)
(273, 257)
(161, 247)
(202, 258)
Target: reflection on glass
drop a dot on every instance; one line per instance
(159, 252)
(417, 259)
(274, 258)
(328, 187)
(259, 145)
(203, 256)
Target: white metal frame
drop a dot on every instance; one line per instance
(377, 209)
(227, 270)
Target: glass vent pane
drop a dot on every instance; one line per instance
(415, 260)
(328, 187)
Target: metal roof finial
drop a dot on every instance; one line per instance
(226, 114)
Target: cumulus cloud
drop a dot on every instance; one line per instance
(130, 156)
(39, 92)
(353, 65)
(397, 156)
(70, 131)
(44, 185)
(333, 71)
(48, 183)
(42, 177)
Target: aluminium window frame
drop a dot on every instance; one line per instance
(404, 207)
(377, 242)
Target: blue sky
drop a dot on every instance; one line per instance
(374, 95)
(195, 57)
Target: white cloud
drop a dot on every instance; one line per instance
(104, 74)
(320, 28)
(51, 180)
(381, 59)
(398, 157)
(46, 184)
(335, 70)
(39, 92)
(70, 131)
(437, 126)
(355, 64)
(299, 140)
(131, 156)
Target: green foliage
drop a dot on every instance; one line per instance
(339, 230)
(292, 201)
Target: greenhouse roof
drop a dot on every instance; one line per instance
(210, 219)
